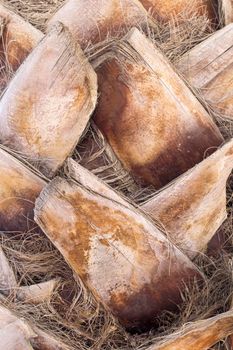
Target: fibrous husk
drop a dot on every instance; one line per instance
(48, 103)
(92, 182)
(113, 341)
(19, 187)
(32, 294)
(165, 10)
(200, 335)
(193, 207)
(208, 66)
(227, 11)
(95, 154)
(100, 18)
(18, 38)
(153, 122)
(120, 255)
(37, 12)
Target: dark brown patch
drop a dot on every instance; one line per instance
(141, 309)
(18, 212)
(135, 130)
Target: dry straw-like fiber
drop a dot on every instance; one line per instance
(73, 315)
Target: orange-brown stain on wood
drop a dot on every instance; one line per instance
(89, 217)
(117, 252)
(165, 10)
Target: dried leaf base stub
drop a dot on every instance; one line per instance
(37, 293)
(17, 334)
(19, 187)
(7, 277)
(14, 332)
(100, 18)
(32, 294)
(18, 38)
(48, 103)
(208, 68)
(165, 10)
(200, 335)
(227, 11)
(193, 195)
(155, 144)
(120, 255)
(187, 208)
